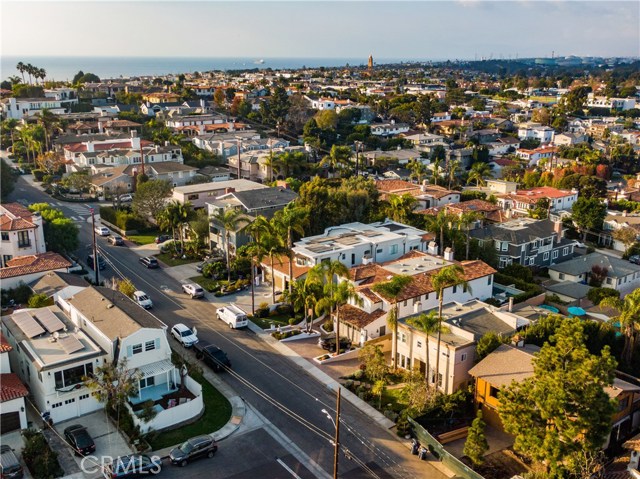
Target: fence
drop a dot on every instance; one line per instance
(438, 450)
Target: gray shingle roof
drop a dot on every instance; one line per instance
(570, 289)
(264, 198)
(504, 365)
(615, 267)
(512, 232)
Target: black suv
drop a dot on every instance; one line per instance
(80, 440)
(212, 355)
(193, 449)
(101, 264)
(150, 262)
(329, 343)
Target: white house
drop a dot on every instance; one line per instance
(522, 201)
(534, 156)
(389, 129)
(19, 108)
(321, 103)
(12, 393)
(535, 131)
(198, 195)
(126, 332)
(22, 232)
(594, 101)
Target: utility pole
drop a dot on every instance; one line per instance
(336, 451)
(141, 159)
(95, 247)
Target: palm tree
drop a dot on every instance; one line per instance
(453, 167)
(49, 121)
(338, 157)
(428, 324)
(438, 224)
(436, 169)
(304, 296)
(447, 277)
(344, 292)
(401, 207)
(289, 162)
(273, 245)
(418, 170)
(292, 219)
(230, 220)
(325, 273)
(173, 217)
(256, 251)
(271, 163)
(465, 220)
(392, 290)
(628, 318)
(21, 67)
(42, 74)
(30, 69)
(479, 171)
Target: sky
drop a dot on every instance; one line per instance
(455, 29)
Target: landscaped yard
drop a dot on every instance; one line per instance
(207, 283)
(167, 259)
(146, 237)
(277, 320)
(217, 412)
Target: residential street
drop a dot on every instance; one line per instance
(284, 394)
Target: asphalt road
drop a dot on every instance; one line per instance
(282, 392)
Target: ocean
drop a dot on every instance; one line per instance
(64, 68)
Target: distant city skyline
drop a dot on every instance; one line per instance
(391, 29)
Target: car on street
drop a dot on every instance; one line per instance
(142, 299)
(162, 238)
(101, 263)
(128, 198)
(10, 467)
(329, 343)
(212, 356)
(193, 290)
(115, 240)
(102, 230)
(193, 448)
(133, 466)
(78, 437)
(184, 335)
(635, 259)
(150, 262)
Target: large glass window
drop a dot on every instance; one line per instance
(72, 376)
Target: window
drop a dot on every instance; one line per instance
(5, 258)
(565, 251)
(72, 376)
(489, 279)
(5, 236)
(137, 348)
(623, 404)
(23, 239)
(84, 396)
(555, 254)
(379, 250)
(404, 303)
(493, 392)
(532, 261)
(418, 344)
(505, 246)
(608, 281)
(69, 401)
(403, 338)
(463, 357)
(150, 345)
(193, 196)
(455, 288)
(561, 276)
(393, 249)
(535, 244)
(56, 405)
(147, 382)
(545, 256)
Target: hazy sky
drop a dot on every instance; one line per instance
(389, 29)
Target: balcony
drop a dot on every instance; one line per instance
(545, 248)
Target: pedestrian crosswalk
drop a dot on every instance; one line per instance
(80, 211)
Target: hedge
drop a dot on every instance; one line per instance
(530, 289)
(124, 220)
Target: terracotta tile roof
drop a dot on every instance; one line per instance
(35, 263)
(281, 265)
(369, 274)
(394, 186)
(11, 387)
(473, 205)
(357, 317)
(15, 217)
(5, 347)
(369, 294)
(429, 211)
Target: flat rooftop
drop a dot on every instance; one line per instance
(238, 185)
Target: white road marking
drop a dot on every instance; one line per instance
(289, 470)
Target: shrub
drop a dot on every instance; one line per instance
(518, 271)
(20, 294)
(40, 459)
(262, 312)
(38, 174)
(348, 384)
(472, 195)
(596, 295)
(284, 309)
(554, 298)
(328, 326)
(39, 301)
(292, 321)
(359, 374)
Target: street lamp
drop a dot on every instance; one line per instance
(336, 441)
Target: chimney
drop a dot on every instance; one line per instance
(100, 127)
(510, 308)
(448, 254)
(133, 133)
(624, 213)
(557, 228)
(432, 248)
(229, 190)
(423, 187)
(201, 129)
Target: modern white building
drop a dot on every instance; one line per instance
(389, 129)
(594, 101)
(19, 108)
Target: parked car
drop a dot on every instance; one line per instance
(150, 262)
(101, 263)
(134, 465)
(635, 259)
(10, 467)
(143, 299)
(193, 290)
(329, 343)
(193, 448)
(184, 335)
(102, 230)
(233, 316)
(115, 240)
(78, 437)
(128, 198)
(75, 268)
(162, 239)
(212, 355)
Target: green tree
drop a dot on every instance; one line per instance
(230, 220)
(150, 198)
(446, 277)
(199, 226)
(392, 291)
(60, 233)
(400, 208)
(418, 170)
(77, 182)
(174, 217)
(338, 158)
(326, 272)
(627, 236)
(287, 222)
(628, 318)
(423, 109)
(429, 324)
(488, 343)
(476, 444)
(343, 293)
(375, 364)
(438, 224)
(40, 301)
(563, 410)
(219, 98)
(277, 107)
(127, 288)
(588, 214)
(113, 384)
(304, 295)
(479, 172)
(466, 220)
(327, 119)
(7, 180)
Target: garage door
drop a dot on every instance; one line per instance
(9, 422)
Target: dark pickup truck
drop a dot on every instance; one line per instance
(212, 355)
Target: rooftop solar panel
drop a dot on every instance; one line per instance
(49, 320)
(27, 324)
(70, 344)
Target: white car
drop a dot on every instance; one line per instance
(126, 198)
(102, 231)
(142, 299)
(193, 290)
(184, 335)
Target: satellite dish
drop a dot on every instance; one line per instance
(56, 335)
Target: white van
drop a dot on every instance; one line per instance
(233, 316)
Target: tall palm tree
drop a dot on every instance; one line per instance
(447, 277)
(343, 292)
(230, 220)
(304, 296)
(256, 251)
(392, 290)
(401, 207)
(465, 220)
(453, 167)
(479, 171)
(338, 158)
(288, 162)
(436, 169)
(273, 245)
(21, 67)
(49, 121)
(428, 324)
(42, 74)
(628, 318)
(418, 170)
(173, 217)
(30, 69)
(325, 273)
(438, 224)
(292, 219)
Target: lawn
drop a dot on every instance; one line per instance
(277, 320)
(146, 237)
(217, 412)
(167, 259)
(208, 284)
